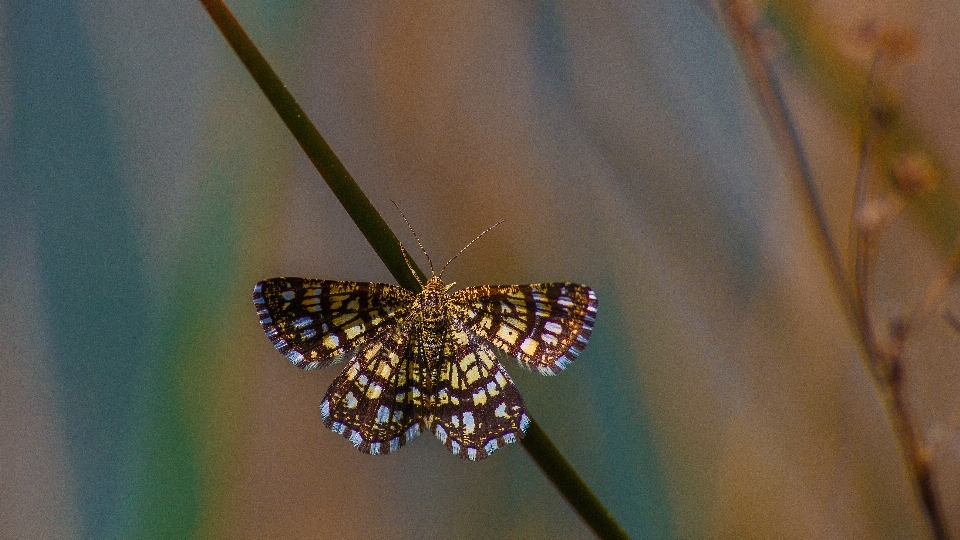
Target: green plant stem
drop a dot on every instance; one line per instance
(565, 478)
(550, 461)
(737, 19)
(353, 199)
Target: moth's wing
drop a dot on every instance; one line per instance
(314, 322)
(545, 326)
(476, 408)
(376, 402)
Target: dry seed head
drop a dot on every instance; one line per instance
(914, 173)
(897, 43)
(876, 213)
(875, 37)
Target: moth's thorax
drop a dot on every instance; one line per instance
(431, 320)
(431, 303)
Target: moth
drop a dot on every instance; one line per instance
(427, 360)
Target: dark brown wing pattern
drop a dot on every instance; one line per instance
(314, 322)
(545, 326)
(378, 401)
(477, 408)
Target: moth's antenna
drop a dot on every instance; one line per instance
(417, 238)
(468, 245)
(403, 252)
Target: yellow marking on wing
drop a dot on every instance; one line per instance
(507, 334)
(353, 331)
(489, 361)
(353, 371)
(344, 320)
(467, 361)
(486, 322)
(372, 351)
(529, 346)
(460, 338)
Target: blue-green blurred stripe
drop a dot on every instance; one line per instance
(96, 303)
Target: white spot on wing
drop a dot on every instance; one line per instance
(296, 357)
(351, 400)
(356, 438)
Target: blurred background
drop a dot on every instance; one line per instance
(146, 185)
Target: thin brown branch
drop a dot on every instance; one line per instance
(740, 19)
(885, 363)
(912, 444)
(952, 320)
(864, 225)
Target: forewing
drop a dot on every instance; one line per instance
(314, 322)
(377, 401)
(544, 326)
(476, 407)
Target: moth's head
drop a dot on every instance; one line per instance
(434, 288)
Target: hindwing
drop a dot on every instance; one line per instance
(378, 400)
(477, 408)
